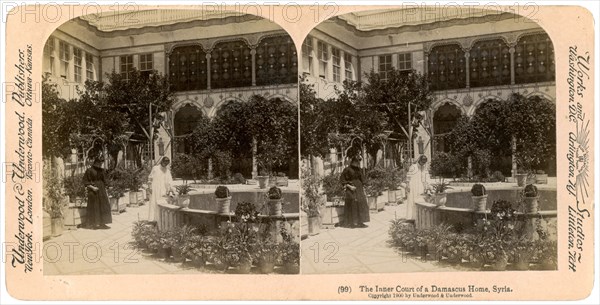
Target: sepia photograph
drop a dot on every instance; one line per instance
(428, 143)
(170, 144)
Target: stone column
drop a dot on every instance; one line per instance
(210, 168)
(329, 73)
(208, 70)
(512, 64)
(315, 63)
(342, 67)
(467, 67)
(254, 165)
(426, 63)
(253, 54)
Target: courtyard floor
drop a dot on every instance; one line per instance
(343, 250)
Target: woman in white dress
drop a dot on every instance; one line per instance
(162, 185)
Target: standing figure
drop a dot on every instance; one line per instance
(98, 207)
(356, 209)
(162, 185)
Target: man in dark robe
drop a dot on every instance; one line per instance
(356, 209)
(98, 207)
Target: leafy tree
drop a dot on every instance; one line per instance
(274, 125)
(313, 123)
(392, 96)
(55, 130)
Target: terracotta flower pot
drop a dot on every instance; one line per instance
(275, 207)
(224, 205)
(521, 179)
(531, 204)
(479, 203)
(183, 200)
(500, 263)
(244, 267)
(262, 181)
(439, 199)
(198, 261)
(391, 196)
(267, 267)
(291, 268)
(372, 202)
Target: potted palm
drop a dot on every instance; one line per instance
(223, 198)
(479, 197)
(531, 198)
(439, 192)
(274, 202)
(183, 195)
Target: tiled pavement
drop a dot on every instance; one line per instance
(107, 251)
(344, 250)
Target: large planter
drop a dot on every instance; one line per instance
(521, 179)
(391, 196)
(262, 181)
(74, 216)
(314, 227)
(531, 204)
(479, 203)
(372, 202)
(275, 208)
(133, 198)
(332, 215)
(439, 199)
(56, 226)
(183, 200)
(117, 205)
(224, 204)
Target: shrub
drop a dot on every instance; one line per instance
(274, 193)
(375, 181)
(332, 185)
(478, 190)
(498, 176)
(530, 190)
(445, 165)
(74, 186)
(188, 167)
(239, 178)
(222, 192)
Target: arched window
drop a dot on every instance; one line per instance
(446, 67)
(444, 120)
(534, 59)
(276, 61)
(186, 120)
(231, 65)
(187, 68)
(489, 63)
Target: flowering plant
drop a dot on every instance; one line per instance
(246, 212)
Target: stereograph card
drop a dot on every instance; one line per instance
(285, 151)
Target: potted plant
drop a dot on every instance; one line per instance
(439, 192)
(115, 193)
(75, 189)
(262, 178)
(434, 236)
(311, 201)
(531, 198)
(522, 253)
(274, 195)
(374, 188)
(521, 177)
(541, 177)
(55, 202)
(282, 179)
(545, 251)
(267, 254)
(223, 198)
(479, 197)
(332, 187)
(196, 249)
(183, 195)
(290, 253)
(240, 245)
(393, 179)
(166, 241)
(134, 183)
